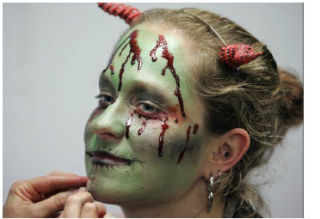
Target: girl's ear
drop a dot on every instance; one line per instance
(225, 151)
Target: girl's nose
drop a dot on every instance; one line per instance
(110, 124)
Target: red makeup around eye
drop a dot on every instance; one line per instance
(158, 115)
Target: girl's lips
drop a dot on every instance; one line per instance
(102, 157)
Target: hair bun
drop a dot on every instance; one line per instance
(291, 108)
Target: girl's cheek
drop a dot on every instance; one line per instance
(164, 138)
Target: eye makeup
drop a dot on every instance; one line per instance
(106, 85)
(147, 92)
(105, 100)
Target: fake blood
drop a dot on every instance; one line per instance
(185, 146)
(170, 58)
(112, 69)
(144, 123)
(128, 124)
(164, 127)
(135, 49)
(195, 128)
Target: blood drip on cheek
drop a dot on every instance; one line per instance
(164, 127)
(144, 123)
(195, 128)
(185, 146)
(128, 124)
(170, 58)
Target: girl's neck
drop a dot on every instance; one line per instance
(192, 204)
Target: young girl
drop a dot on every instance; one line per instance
(190, 102)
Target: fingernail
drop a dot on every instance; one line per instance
(83, 179)
(82, 189)
(88, 185)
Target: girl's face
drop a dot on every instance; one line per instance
(145, 140)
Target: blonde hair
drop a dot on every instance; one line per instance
(256, 97)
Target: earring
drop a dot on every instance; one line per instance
(210, 190)
(211, 183)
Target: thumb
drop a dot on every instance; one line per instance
(50, 206)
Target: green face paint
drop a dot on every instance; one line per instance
(144, 142)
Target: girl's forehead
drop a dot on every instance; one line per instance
(148, 56)
(160, 54)
(148, 36)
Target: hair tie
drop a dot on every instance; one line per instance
(126, 12)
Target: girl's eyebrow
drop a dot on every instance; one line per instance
(106, 84)
(150, 92)
(140, 90)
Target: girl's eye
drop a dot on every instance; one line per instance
(147, 107)
(148, 110)
(104, 100)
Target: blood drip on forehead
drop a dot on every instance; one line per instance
(112, 69)
(135, 50)
(170, 59)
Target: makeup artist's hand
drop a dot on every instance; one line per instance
(81, 204)
(42, 196)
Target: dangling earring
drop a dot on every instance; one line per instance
(211, 183)
(210, 190)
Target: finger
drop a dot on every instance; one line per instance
(47, 184)
(101, 209)
(52, 205)
(61, 173)
(89, 210)
(74, 203)
(93, 210)
(61, 215)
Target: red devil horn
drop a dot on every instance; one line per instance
(236, 55)
(126, 12)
